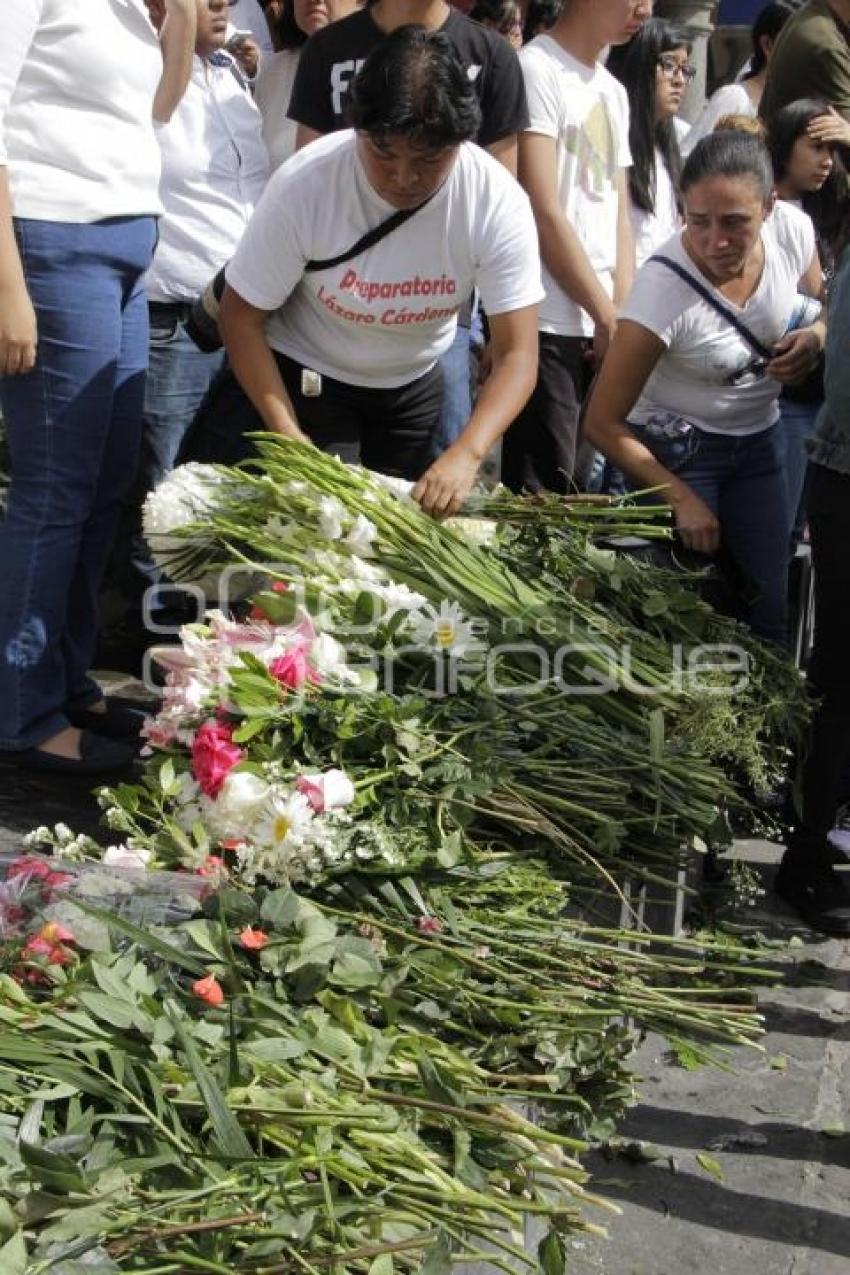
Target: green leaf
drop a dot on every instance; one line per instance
(228, 1131)
(52, 1169)
(450, 850)
(13, 1255)
(439, 1084)
(655, 603)
(167, 779)
(551, 1254)
(8, 1221)
(711, 1166)
(119, 1014)
(438, 1258)
(145, 939)
(382, 1265)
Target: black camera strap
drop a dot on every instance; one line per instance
(373, 236)
(725, 313)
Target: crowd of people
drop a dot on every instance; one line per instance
(408, 234)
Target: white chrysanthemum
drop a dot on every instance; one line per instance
(278, 839)
(187, 495)
(447, 629)
(183, 496)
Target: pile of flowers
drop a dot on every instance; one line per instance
(294, 1018)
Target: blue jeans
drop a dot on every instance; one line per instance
(457, 392)
(179, 375)
(73, 425)
(796, 424)
(743, 483)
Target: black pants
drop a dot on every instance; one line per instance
(539, 449)
(828, 756)
(384, 429)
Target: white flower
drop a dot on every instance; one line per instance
(400, 487)
(478, 531)
(332, 512)
(329, 660)
(184, 495)
(361, 536)
(133, 858)
(239, 804)
(446, 629)
(332, 790)
(277, 837)
(398, 597)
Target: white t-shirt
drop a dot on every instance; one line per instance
(651, 229)
(702, 375)
(731, 99)
(586, 111)
(273, 90)
(214, 169)
(77, 84)
(382, 318)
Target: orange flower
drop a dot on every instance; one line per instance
(253, 940)
(209, 989)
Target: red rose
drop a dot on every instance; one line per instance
(214, 755)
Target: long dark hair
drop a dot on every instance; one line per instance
(769, 22)
(827, 207)
(636, 66)
(287, 33)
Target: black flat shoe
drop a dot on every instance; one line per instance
(98, 756)
(118, 722)
(818, 895)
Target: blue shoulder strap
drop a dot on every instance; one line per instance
(731, 318)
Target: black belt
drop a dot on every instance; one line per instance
(169, 309)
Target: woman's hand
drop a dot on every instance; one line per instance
(795, 354)
(444, 487)
(830, 127)
(696, 524)
(246, 53)
(18, 332)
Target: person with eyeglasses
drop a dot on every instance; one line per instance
(744, 96)
(654, 70)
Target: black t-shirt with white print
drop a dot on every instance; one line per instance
(334, 54)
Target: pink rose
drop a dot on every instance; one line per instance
(214, 755)
(292, 669)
